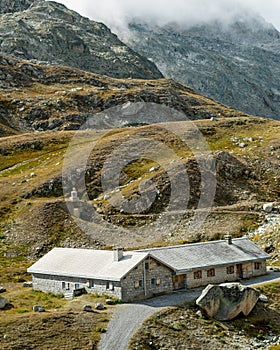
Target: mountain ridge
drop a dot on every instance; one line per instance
(49, 32)
(43, 97)
(236, 64)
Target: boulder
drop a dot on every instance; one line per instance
(37, 308)
(87, 308)
(3, 303)
(3, 290)
(268, 207)
(226, 301)
(99, 306)
(263, 298)
(27, 284)
(110, 302)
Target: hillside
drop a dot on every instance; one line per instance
(234, 64)
(49, 32)
(42, 97)
(34, 216)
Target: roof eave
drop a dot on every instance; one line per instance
(52, 273)
(178, 271)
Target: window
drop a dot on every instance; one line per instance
(230, 270)
(149, 265)
(197, 275)
(63, 285)
(153, 281)
(109, 285)
(77, 286)
(158, 281)
(91, 284)
(138, 284)
(211, 273)
(258, 265)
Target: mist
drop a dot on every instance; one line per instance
(118, 13)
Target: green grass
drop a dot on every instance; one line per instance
(23, 300)
(22, 311)
(13, 263)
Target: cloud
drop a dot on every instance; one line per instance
(117, 13)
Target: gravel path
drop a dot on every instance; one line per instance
(128, 318)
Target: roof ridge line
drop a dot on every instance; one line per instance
(189, 244)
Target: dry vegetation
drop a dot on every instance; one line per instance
(62, 326)
(34, 218)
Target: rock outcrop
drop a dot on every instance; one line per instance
(45, 97)
(226, 301)
(49, 32)
(236, 64)
(3, 303)
(11, 6)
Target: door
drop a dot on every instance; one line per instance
(179, 282)
(239, 270)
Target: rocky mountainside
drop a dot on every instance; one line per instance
(49, 32)
(237, 64)
(39, 98)
(10, 6)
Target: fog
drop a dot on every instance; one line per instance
(117, 13)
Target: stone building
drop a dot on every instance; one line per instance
(200, 264)
(136, 275)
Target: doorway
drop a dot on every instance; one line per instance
(179, 282)
(239, 270)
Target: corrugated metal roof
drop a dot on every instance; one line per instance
(208, 254)
(87, 263)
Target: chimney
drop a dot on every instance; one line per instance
(74, 195)
(74, 206)
(228, 239)
(118, 254)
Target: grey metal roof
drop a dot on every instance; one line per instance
(209, 254)
(87, 263)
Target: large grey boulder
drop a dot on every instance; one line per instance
(3, 303)
(226, 301)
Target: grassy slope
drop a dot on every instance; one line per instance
(62, 325)
(40, 222)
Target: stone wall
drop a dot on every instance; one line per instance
(221, 274)
(54, 284)
(148, 279)
(157, 279)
